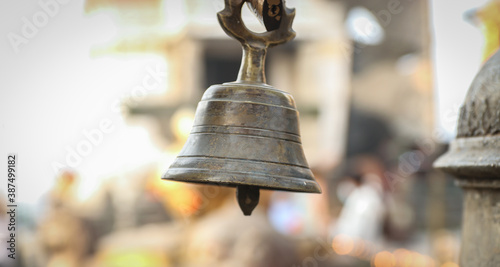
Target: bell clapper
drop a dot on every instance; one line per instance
(248, 198)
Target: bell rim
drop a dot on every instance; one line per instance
(233, 179)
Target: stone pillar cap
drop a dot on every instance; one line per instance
(476, 151)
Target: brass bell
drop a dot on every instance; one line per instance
(246, 133)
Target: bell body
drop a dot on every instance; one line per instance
(245, 135)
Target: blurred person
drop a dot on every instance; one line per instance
(364, 209)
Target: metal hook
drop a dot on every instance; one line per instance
(255, 45)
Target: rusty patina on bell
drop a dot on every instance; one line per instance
(246, 133)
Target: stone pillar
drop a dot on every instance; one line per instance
(474, 159)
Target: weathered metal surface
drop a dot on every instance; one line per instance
(246, 133)
(474, 158)
(480, 115)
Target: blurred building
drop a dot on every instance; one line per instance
(361, 74)
(315, 67)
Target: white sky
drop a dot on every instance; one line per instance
(51, 91)
(457, 56)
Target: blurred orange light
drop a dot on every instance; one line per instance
(182, 122)
(384, 259)
(430, 262)
(450, 264)
(359, 249)
(180, 198)
(403, 257)
(418, 260)
(343, 244)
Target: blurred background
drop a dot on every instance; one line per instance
(98, 97)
